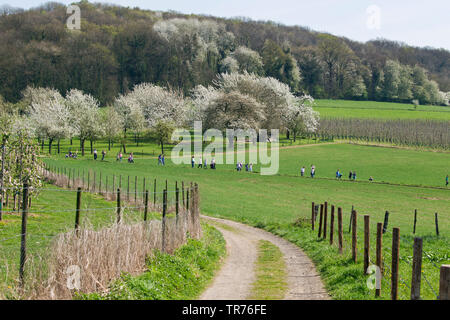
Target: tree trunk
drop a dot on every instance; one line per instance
(71, 141)
(82, 146)
(124, 140)
(50, 141)
(109, 144)
(43, 142)
(59, 146)
(92, 146)
(162, 146)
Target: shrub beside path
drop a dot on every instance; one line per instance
(234, 280)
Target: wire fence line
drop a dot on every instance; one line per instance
(350, 242)
(132, 210)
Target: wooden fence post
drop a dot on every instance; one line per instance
(437, 223)
(187, 198)
(386, 221)
(177, 202)
(332, 226)
(89, 181)
(354, 236)
(351, 220)
(95, 182)
(182, 193)
(100, 183)
(312, 215)
(144, 184)
(366, 242)
(325, 218)
(23, 236)
(146, 205)
(395, 263)
(444, 283)
(119, 209)
(340, 231)
(2, 180)
(320, 220)
(77, 212)
(135, 189)
(154, 193)
(416, 269)
(379, 255)
(113, 186)
(163, 223)
(415, 221)
(128, 189)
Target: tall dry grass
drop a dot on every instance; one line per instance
(103, 255)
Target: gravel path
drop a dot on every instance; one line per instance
(234, 280)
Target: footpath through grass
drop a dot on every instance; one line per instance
(181, 276)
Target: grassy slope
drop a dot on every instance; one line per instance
(379, 110)
(279, 200)
(181, 276)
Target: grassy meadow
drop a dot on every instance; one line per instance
(379, 110)
(405, 180)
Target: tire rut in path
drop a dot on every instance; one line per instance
(235, 278)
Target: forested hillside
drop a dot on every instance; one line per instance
(119, 47)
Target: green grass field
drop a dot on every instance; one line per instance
(405, 180)
(379, 110)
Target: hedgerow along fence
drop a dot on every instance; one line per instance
(417, 133)
(381, 269)
(98, 242)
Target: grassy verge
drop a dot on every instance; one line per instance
(181, 276)
(270, 281)
(345, 280)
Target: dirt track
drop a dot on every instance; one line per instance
(234, 280)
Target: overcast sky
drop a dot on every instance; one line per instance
(415, 22)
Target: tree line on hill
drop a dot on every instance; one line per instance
(118, 48)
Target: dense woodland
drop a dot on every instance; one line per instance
(119, 47)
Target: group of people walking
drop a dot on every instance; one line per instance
(203, 164)
(96, 154)
(339, 175)
(248, 167)
(161, 160)
(119, 157)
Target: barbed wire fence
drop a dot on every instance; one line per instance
(102, 238)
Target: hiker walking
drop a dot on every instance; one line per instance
(302, 171)
(95, 154)
(103, 155)
(193, 161)
(446, 181)
(313, 171)
(354, 175)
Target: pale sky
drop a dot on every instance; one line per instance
(415, 22)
